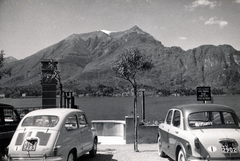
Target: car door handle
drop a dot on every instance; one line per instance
(176, 132)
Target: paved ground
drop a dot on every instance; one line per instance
(125, 152)
(116, 149)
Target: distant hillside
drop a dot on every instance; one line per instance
(87, 59)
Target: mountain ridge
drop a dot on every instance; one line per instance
(86, 59)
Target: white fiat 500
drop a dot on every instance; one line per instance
(53, 134)
(200, 132)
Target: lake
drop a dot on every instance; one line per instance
(116, 108)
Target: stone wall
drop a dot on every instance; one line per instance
(146, 134)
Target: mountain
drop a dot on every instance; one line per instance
(9, 59)
(87, 59)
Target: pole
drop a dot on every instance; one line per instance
(143, 107)
(65, 98)
(61, 95)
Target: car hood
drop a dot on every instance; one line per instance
(33, 143)
(211, 141)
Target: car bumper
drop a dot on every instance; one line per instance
(59, 158)
(196, 159)
(209, 159)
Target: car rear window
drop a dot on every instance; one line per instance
(41, 121)
(210, 119)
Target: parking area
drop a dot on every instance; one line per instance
(125, 152)
(115, 149)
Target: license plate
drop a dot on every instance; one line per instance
(229, 147)
(29, 146)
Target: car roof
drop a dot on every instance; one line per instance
(190, 108)
(2, 105)
(53, 111)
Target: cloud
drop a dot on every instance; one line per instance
(182, 38)
(203, 3)
(215, 21)
(237, 1)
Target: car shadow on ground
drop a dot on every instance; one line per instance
(98, 157)
(168, 158)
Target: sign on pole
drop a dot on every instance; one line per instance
(204, 94)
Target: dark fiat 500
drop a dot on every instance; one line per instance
(200, 132)
(9, 119)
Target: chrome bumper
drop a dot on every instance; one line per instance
(58, 158)
(209, 159)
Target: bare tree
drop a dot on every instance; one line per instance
(3, 72)
(131, 63)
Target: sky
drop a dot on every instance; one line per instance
(28, 26)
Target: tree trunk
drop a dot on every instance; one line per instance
(135, 120)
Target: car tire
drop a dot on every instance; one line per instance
(159, 144)
(181, 156)
(71, 156)
(93, 152)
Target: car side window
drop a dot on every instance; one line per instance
(176, 118)
(1, 120)
(71, 123)
(169, 117)
(229, 118)
(82, 120)
(9, 116)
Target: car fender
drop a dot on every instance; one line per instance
(185, 144)
(179, 146)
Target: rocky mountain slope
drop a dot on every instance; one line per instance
(87, 59)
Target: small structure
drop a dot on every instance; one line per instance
(49, 83)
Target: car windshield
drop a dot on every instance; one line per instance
(41, 121)
(210, 119)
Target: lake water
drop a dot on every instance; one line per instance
(116, 108)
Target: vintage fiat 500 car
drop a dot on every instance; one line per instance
(53, 134)
(200, 132)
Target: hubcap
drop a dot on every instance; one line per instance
(181, 156)
(70, 157)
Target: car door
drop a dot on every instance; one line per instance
(86, 133)
(72, 135)
(175, 131)
(165, 132)
(2, 132)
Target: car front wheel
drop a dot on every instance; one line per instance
(181, 156)
(71, 156)
(160, 151)
(93, 152)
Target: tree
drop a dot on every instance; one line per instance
(132, 63)
(3, 72)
